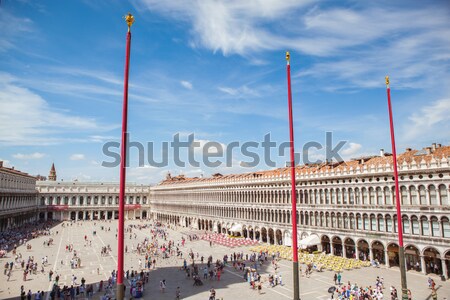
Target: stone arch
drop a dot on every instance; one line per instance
(337, 246)
(264, 235)
(378, 251)
(350, 249)
(432, 259)
(412, 257)
(363, 249)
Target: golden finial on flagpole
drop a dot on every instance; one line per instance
(387, 81)
(129, 19)
(288, 56)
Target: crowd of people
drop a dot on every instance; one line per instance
(12, 238)
(159, 248)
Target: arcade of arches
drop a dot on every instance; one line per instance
(422, 259)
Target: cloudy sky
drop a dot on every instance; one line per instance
(216, 69)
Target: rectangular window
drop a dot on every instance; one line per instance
(373, 224)
(389, 225)
(381, 225)
(425, 228)
(415, 227)
(435, 228)
(446, 226)
(406, 226)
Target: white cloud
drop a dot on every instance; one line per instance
(6, 163)
(433, 118)
(241, 92)
(12, 28)
(186, 84)
(30, 120)
(35, 155)
(77, 157)
(413, 53)
(351, 150)
(206, 146)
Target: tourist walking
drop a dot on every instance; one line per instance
(177, 293)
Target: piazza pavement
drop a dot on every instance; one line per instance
(95, 267)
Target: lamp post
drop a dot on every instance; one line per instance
(401, 248)
(123, 155)
(293, 191)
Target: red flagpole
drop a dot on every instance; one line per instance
(401, 252)
(293, 191)
(123, 154)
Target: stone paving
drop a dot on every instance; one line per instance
(95, 267)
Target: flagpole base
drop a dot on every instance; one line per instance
(296, 278)
(120, 293)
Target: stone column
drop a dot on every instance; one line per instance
(344, 251)
(76, 216)
(357, 251)
(444, 268)
(331, 248)
(386, 258)
(423, 266)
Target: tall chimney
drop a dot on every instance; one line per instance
(428, 149)
(433, 147)
(382, 152)
(408, 149)
(439, 145)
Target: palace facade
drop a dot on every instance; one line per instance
(348, 207)
(91, 201)
(18, 202)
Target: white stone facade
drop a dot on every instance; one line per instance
(17, 198)
(91, 201)
(350, 206)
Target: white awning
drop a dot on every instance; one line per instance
(236, 228)
(309, 241)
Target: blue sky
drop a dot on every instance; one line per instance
(217, 69)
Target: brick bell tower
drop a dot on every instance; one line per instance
(52, 175)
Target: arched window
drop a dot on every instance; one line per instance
(365, 199)
(366, 222)
(379, 196)
(352, 196)
(388, 223)
(373, 223)
(445, 227)
(444, 195)
(425, 226)
(415, 225)
(327, 196)
(372, 196)
(422, 195)
(404, 194)
(380, 223)
(405, 222)
(356, 196)
(414, 198)
(339, 196)
(387, 196)
(435, 227)
(352, 221)
(433, 196)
